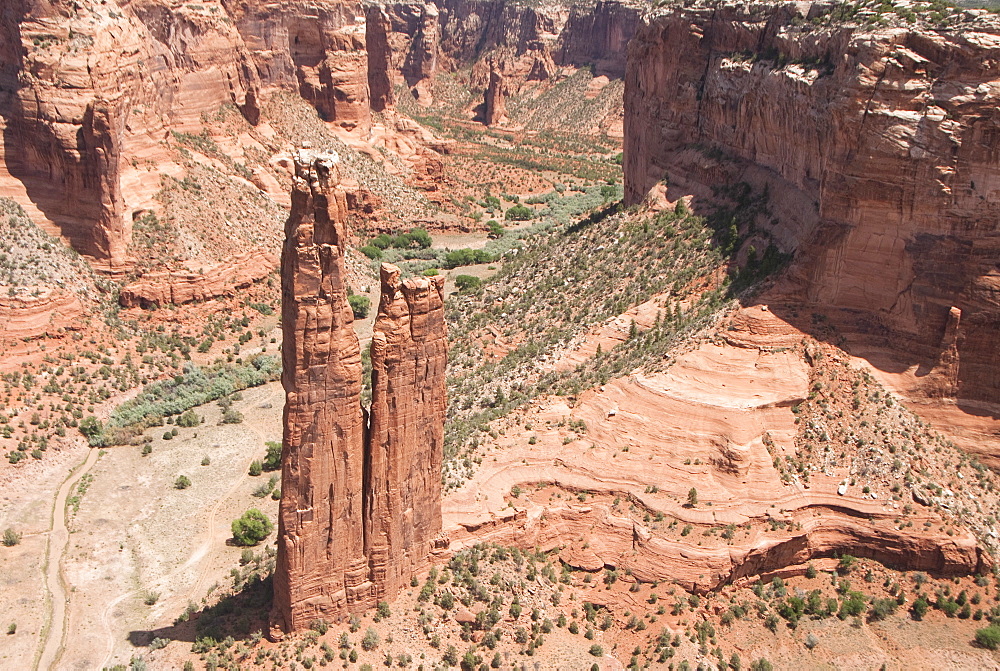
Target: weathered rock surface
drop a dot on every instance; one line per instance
(519, 42)
(43, 311)
(496, 106)
(718, 419)
(881, 145)
(321, 567)
(361, 506)
(87, 86)
(164, 288)
(406, 436)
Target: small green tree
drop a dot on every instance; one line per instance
(919, 607)
(692, 497)
(360, 305)
(256, 467)
(93, 430)
(496, 230)
(519, 213)
(251, 528)
(467, 283)
(272, 460)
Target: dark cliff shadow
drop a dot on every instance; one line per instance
(239, 615)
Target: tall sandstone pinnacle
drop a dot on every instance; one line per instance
(406, 437)
(360, 509)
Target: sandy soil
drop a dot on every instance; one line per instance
(135, 534)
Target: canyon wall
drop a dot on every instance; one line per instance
(497, 37)
(360, 507)
(85, 87)
(879, 148)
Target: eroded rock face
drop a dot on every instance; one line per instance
(321, 568)
(164, 288)
(406, 437)
(496, 106)
(520, 43)
(360, 507)
(86, 85)
(886, 141)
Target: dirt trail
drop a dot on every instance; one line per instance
(54, 632)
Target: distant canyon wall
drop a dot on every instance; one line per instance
(881, 150)
(87, 87)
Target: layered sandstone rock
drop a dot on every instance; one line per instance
(87, 86)
(878, 147)
(224, 279)
(406, 438)
(321, 569)
(360, 507)
(28, 313)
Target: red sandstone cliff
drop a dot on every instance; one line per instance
(406, 437)
(878, 146)
(519, 42)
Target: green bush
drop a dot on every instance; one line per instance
(596, 650)
(188, 419)
(251, 528)
(272, 460)
(11, 537)
(256, 468)
(93, 430)
(360, 305)
(881, 609)
(467, 283)
(372, 252)
(519, 213)
(495, 229)
(232, 416)
(182, 482)
(989, 637)
(370, 640)
(467, 257)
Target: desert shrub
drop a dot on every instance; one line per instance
(182, 482)
(232, 416)
(881, 609)
(370, 640)
(467, 257)
(360, 305)
(372, 252)
(467, 283)
(988, 637)
(596, 650)
(256, 467)
(188, 419)
(519, 213)
(495, 229)
(919, 608)
(272, 460)
(251, 528)
(11, 537)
